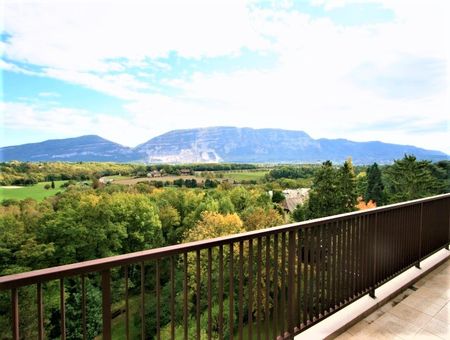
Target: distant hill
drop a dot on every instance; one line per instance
(218, 144)
(84, 148)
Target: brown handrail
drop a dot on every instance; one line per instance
(79, 268)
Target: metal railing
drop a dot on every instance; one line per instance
(270, 283)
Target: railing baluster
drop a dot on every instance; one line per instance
(328, 269)
(231, 293)
(358, 256)
(220, 292)
(15, 313)
(353, 241)
(322, 268)
(298, 319)
(318, 271)
(241, 291)
(341, 246)
(266, 307)
(259, 288)
(40, 310)
(305, 276)
(158, 299)
(373, 257)
(312, 272)
(209, 294)
(334, 266)
(143, 301)
(346, 250)
(127, 306)
(83, 306)
(276, 312)
(291, 283)
(106, 304)
(62, 308)
(197, 293)
(283, 284)
(419, 249)
(172, 298)
(185, 296)
(250, 289)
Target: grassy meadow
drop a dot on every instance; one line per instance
(246, 175)
(37, 191)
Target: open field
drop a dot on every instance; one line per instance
(245, 175)
(118, 177)
(36, 191)
(132, 181)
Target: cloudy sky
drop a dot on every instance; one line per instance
(130, 70)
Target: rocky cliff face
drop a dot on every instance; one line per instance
(218, 144)
(232, 144)
(227, 144)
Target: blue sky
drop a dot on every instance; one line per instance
(128, 71)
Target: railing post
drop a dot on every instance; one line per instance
(374, 260)
(420, 236)
(106, 304)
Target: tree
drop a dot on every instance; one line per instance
(138, 215)
(362, 205)
(375, 187)
(53, 184)
(409, 179)
(277, 196)
(74, 312)
(259, 218)
(170, 224)
(333, 192)
(190, 183)
(47, 186)
(346, 188)
(323, 200)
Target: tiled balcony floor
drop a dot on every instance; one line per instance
(420, 312)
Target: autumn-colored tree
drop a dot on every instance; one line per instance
(260, 218)
(362, 205)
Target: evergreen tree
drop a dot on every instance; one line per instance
(346, 188)
(408, 179)
(375, 186)
(323, 195)
(53, 184)
(333, 192)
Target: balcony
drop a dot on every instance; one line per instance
(272, 284)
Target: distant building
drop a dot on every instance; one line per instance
(105, 180)
(185, 172)
(293, 198)
(154, 173)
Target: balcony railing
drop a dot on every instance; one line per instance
(270, 283)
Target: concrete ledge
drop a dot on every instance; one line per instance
(342, 320)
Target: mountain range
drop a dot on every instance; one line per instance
(217, 144)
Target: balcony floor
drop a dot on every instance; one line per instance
(420, 312)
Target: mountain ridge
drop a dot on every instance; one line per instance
(217, 144)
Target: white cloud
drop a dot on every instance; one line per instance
(69, 122)
(48, 94)
(83, 35)
(313, 86)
